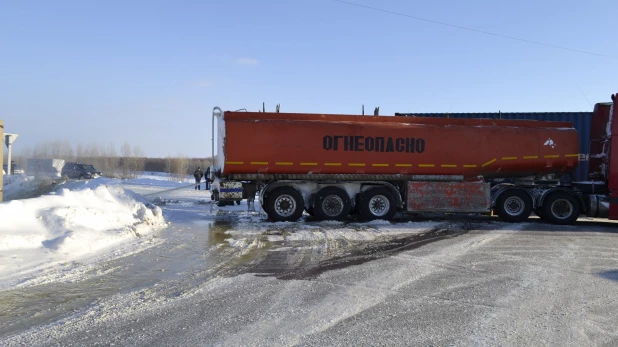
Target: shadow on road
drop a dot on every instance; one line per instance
(534, 223)
(610, 275)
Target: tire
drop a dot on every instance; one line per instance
(81, 177)
(332, 203)
(284, 204)
(377, 203)
(514, 206)
(561, 208)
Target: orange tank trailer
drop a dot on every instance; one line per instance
(293, 143)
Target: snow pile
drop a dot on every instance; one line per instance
(14, 185)
(9, 179)
(72, 225)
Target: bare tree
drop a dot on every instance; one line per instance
(137, 160)
(132, 160)
(111, 161)
(169, 166)
(80, 152)
(94, 150)
(60, 150)
(40, 151)
(125, 152)
(128, 162)
(181, 167)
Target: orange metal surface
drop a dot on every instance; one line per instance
(346, 144)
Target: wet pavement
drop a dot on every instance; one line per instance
(197, 247)
(221, 267)
(276, 264)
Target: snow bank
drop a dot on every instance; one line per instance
(16, 185)
(90, 220)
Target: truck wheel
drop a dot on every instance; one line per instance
(561, 208)
(377, 203)
(284, 204)
(514, 206)
(332, 203)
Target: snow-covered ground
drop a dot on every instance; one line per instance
(99, 263)
(57, 231)
(77, 222)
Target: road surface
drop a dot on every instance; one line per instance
(235, 280)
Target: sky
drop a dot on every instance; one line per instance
(150, 72)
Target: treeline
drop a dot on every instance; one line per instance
(126, 162)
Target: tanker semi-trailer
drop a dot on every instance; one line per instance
(333, 166)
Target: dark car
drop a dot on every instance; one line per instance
(81, 171)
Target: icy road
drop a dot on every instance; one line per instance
(228, 278)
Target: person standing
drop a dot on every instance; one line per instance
(207, 178)
(198, 177)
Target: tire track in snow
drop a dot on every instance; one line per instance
(358, 292)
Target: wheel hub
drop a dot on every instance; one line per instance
(562, 209)
(332, 205)
(379, 205)
(285, 205)
(514, 206)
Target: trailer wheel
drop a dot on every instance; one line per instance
(561, 208)
(514, 206)
(284, 204)
(377, 203)
(332, 203)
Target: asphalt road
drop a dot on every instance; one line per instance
(459, 283)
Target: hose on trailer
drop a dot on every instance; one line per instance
(172, 189)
